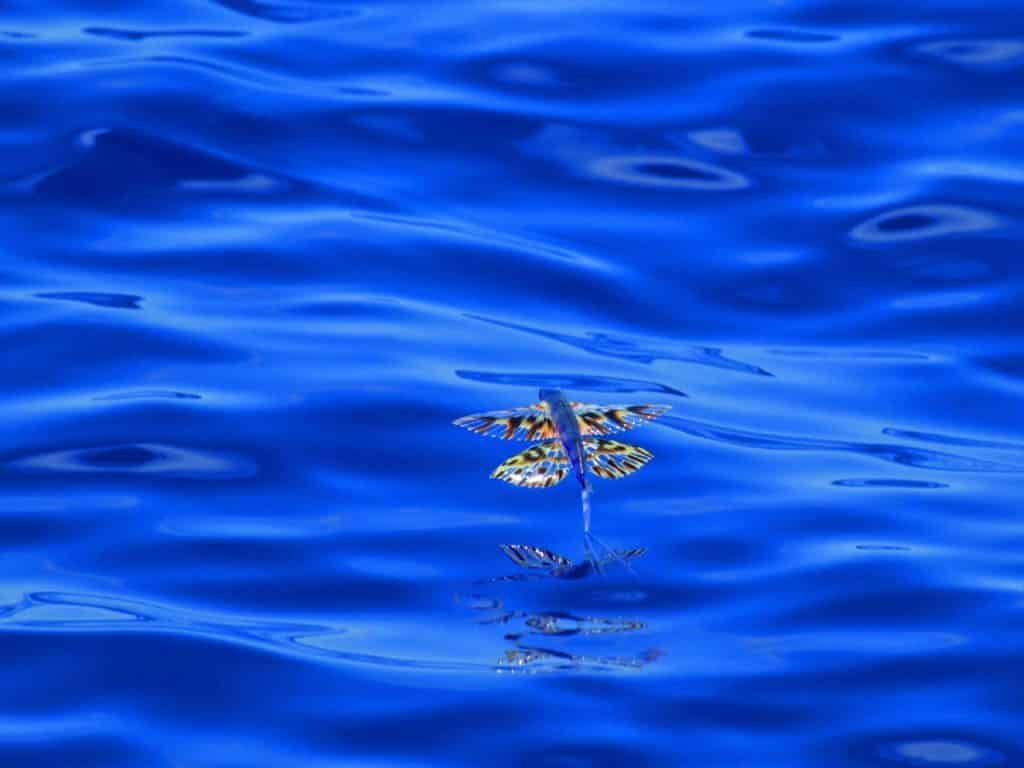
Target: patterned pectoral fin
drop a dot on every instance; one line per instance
(611, 459)
(539, 466)
(606, 419)
(527, 556)
(528, 423)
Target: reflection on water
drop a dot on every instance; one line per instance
(575, 633)
(544, 564)
(534, 659)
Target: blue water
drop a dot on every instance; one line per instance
(256, 255)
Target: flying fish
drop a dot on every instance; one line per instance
(570, 437)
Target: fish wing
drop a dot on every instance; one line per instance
(611, 459)
(527, 556)
(606, 419)
(539, 466)
(530, 422)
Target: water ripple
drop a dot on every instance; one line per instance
(107, 300)
(147, 163)
(919, 222)
(462, 231)
(72, 612)
(934, 437)
(330, 643)
(288, 11)
(887, 483)
(569, 381)
(140, 458)
(136, 35)
(935, 752)
(724, 140)
(147, 394)
(800, 37)
(979, 54)
(259, 253)
(666, 171)
(595, 155)
(891, 452)
(608, 345)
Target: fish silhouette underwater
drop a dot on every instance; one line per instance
(570, 439)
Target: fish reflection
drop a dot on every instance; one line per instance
(537, 660)
(532, 648)
(545, 564)
(534, 635)
(562, 624)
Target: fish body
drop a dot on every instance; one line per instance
(568, 428)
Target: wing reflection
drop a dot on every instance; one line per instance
(535, 635)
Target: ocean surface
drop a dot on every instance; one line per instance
(257, 255)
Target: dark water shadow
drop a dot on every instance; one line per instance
(570, 382)
(666, 171)
(288, 11)
(107, 300)
(608, 345)
(135, 35)
(142, 459)
(147, 394)
(919, 222)
(885, 482)
(798, 36)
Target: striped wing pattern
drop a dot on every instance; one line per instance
(539, 466)
(610, 459)
(528, 423)
(607, 419)
(527, 556)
